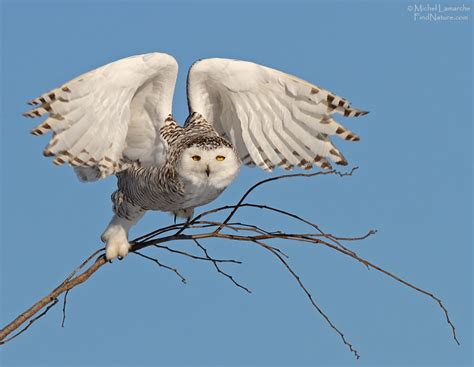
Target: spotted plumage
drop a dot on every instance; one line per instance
(137, 185)
(117, 120)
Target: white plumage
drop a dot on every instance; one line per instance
(117, 120)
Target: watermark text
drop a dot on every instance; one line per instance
(432, 12)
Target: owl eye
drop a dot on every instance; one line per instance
(196, 158)
(220, 158)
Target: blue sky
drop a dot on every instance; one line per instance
(414, 185)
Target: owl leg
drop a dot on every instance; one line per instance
(115, 235)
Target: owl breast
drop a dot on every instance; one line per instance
(200, 193)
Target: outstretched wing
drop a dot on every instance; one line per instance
(110, 115)
(271, 118)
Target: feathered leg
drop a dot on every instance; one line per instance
(115, 235)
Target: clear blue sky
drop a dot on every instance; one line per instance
(414, 185)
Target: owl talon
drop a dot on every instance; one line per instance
(115, 238)
(117, 248)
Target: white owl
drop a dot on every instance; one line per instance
(116, 120)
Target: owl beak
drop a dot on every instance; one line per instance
(208, 171)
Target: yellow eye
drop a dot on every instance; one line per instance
(196, 158)
(220, 158)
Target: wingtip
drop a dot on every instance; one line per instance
(326, 166)
(359, 113)
(48, 153)
(58, 161)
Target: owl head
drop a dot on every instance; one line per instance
(209, 161)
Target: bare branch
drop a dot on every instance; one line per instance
(242, 232)
(49, 300)
(32, 321)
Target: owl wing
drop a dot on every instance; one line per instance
(271, 118)
(110, 115)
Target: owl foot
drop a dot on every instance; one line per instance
(116, 242)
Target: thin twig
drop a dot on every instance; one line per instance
(308, 294)
(157, 262)
(219, 269)
(64, 308)
(319, 173)
(195, 257)
(91, 256)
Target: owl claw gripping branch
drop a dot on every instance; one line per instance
(116, 120)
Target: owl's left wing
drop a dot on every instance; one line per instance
(271, 118)
(109, 116)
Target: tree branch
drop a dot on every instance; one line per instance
(242, 232)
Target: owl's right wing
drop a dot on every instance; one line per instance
(110, 115)
(271, 118)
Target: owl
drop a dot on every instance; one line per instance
(117, 120)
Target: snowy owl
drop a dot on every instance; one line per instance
(116, 120)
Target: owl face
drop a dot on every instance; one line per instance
(215, 167)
